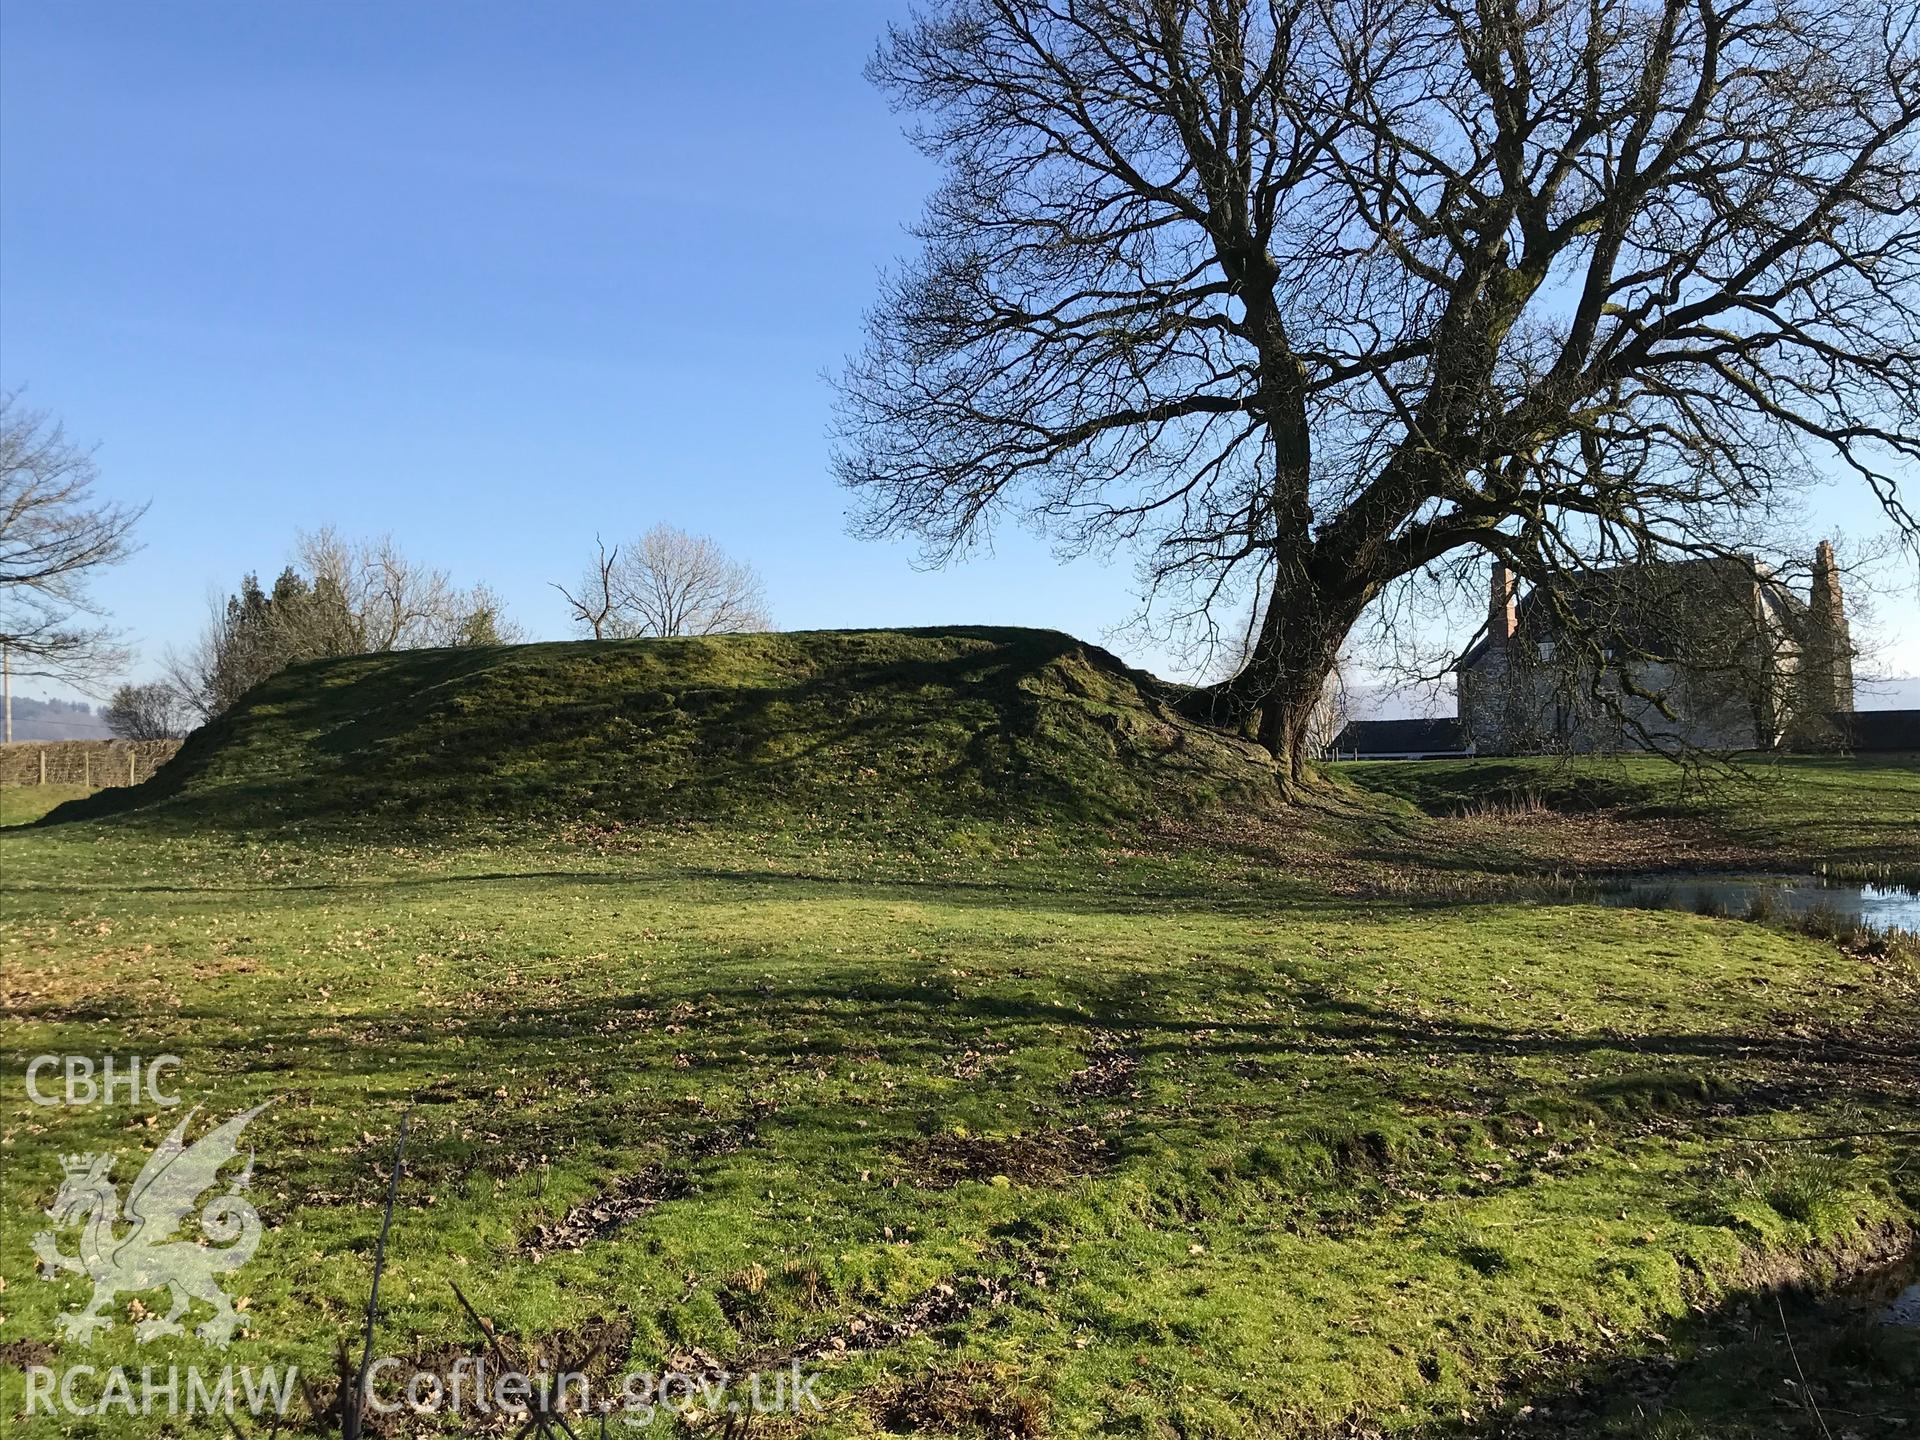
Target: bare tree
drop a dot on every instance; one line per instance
(384, 600)
(597, 607)
(195, 670)
(55, 536)
(153, 711)
(668, 583)
(1306, 295)
(673, 583)
(342, 598)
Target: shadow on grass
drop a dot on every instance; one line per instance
(1373, 1069)
(1154, 895)
(1807, 1362)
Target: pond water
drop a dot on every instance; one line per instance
(1889, 1292)
(1884, 906)
(1905, 1309)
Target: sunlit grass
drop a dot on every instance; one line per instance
(23, 804)
(1193, 1145)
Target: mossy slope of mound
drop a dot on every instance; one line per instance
(834, 725)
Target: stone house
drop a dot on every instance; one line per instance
(1713, 654)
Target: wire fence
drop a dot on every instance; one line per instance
(90, 764)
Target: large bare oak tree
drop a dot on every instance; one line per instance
(1305, 295)
(56, 536)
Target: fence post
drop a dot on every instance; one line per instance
(43, 767)
(86, 769)
(130, 755)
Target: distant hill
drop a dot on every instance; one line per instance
(56, 720)
(1900, 694)
(869, 726)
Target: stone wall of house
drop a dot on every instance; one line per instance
(1757, 671)
(1516, 702)
(1477, 701)
(1701, 721)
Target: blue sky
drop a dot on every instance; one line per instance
(491, 277)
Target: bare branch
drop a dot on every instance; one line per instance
(1310, 294)
(55, 536)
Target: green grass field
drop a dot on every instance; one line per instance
(1006, 1126)
(23, 804)
(1787, 812)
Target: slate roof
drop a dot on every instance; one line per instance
(1880, 730)
(1442, 736)
(1610, 595)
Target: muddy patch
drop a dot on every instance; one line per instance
(945, 1304)
(725, 1139)
(1049, 1157)
(24, 1354)
(598, 1350)
(629, 1197)
(620, 1204)
(1110, 1071)
(965, 1399)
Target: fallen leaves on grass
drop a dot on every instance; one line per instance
(1048, 1157)
(966, 1399)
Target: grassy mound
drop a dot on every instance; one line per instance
(841, 726)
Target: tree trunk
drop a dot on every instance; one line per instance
(1287, 719)
(1277, 691)
(1289, 672)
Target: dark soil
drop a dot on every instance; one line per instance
(1048, 1157)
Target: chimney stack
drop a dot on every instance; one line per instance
(1830, 651)
(1827, 603)
(1501, 610)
